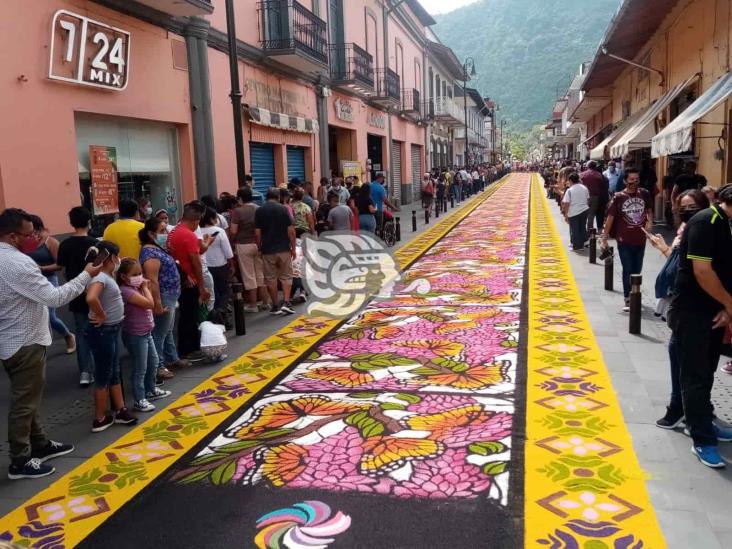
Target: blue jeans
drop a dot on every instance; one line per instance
(104, 343)
(144, 363)
(631, 257)
(83, 352)
(56, 323)
(456, 192)
(163, 332)
(367, 223)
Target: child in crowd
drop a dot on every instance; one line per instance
(299, 295)
(213, 340)
(106, 312)
(137, 328)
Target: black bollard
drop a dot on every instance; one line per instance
(444, 205)
(398, 229)
(414, 221)
(452, 200)
(438, 206)
(426, 216)
(593, 246)
(609, 271)
(239, 323)
(634, 326)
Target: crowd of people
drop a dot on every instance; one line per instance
(693, 288)
(163, 291)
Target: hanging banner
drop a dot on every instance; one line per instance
(104, 190)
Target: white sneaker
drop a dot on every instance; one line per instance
(85, 379)
(144, 406)
(157, 394)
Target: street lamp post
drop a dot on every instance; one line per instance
(469, 62)
(235, 94)
(503, 123)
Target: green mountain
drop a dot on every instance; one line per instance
(526, 50)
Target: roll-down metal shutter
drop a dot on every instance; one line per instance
(396, 169)
(263, 168)
(296, 163)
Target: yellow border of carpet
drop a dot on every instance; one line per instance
(63, 514)
(584, 486)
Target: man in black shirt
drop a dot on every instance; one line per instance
(687, 180)
(72, 256)
(700, 310)
(275, 235)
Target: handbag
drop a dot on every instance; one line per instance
(666, 279)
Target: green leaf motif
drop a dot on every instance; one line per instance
(195, 477)
(223, 473)
(367, 425)
(86, 484)
(235, 447)
(494, 468)
(487, 448)
(129, 473)
(366, 395)
(406, 397)
(392, 406)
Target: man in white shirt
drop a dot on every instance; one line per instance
(614, 177)
(343, 193)
(575, 206)
(25, 296)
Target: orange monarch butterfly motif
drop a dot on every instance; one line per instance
(414, 396)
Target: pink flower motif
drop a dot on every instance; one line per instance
(432, 404)
(496, 428)
(448, 476)
(243, 466)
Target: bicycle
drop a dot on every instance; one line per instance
(388, 228)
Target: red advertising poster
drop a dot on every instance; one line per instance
(103, 167)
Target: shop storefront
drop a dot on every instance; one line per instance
(95, 89)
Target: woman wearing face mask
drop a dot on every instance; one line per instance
(162, 214)
(146, 209)
(43, 249)
(137, 334)
(106, 312)
(160, 269)
(688, 204)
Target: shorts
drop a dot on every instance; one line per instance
(278, 267)
(250, 266)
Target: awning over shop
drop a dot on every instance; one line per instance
(283, 121)
(677, 136)
(639, 135)
(598, 153)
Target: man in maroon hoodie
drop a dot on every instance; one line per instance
(596, 183)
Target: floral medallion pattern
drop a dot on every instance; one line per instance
(584, 486)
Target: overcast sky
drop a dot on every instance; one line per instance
(443, 6)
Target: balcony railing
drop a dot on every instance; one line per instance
(445, 108)
(351, 64)
(387, 87)
(286, 26)
(411, 103)
(428, 109)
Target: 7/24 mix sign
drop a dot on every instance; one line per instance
(87, 52)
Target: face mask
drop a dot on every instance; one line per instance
(161, 240)
(136, 281)
(116, 266)
(148, 211)
(29, 244)
(687, 213)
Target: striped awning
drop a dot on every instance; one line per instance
(282, 121)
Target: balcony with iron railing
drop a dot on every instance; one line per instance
(352, 67)
(293, 34)
(388, 90)
(411, 101)
(179, 8)
(447, 112)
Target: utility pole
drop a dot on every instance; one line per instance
(236, 95)
(469, 62)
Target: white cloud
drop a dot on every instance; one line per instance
(443, 6)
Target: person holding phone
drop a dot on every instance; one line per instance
(629, 217)
(220, 260)
(106, 312)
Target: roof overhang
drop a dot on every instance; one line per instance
(447, 59)
(425, 18)
(592, 103)
(633, 25)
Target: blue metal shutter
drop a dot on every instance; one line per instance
(296, 163)
(263, 167)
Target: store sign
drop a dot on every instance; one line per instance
(84, 51)
(104, 190)
(351, 168)
(343, 109)
(376, 120)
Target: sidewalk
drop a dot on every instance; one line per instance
(692, 501)
(67, 409)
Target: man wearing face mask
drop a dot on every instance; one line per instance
(629, 214)
(700, 310)
(25, 295)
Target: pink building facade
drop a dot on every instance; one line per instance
(146, 82)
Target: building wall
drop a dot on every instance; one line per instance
(38, 157)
